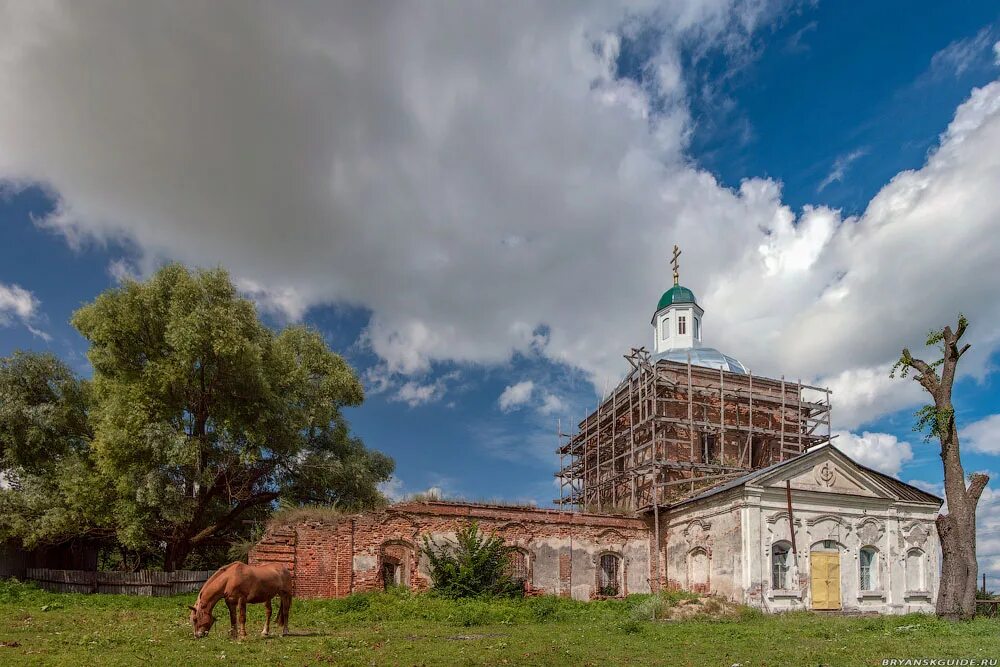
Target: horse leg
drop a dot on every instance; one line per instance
(267, 618)
(286, 607)
(232, 618)
(243, 617)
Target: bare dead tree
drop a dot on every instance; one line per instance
(956, 529)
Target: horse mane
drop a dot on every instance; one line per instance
(215, 575)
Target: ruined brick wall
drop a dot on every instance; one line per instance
(356, 553)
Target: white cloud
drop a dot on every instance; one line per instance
(514, 396)
(456, 172)
(996, 54)
(551, 404)
(415, 393)
(982, 436)
(18, 305)
(961, 54)
(881, 451)
(392, 488)
(840, 167)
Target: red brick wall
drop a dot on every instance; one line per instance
(336, 559)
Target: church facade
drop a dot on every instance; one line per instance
(693, 473)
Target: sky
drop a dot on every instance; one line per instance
(475, 203)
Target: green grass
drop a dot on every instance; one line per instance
(399, 628)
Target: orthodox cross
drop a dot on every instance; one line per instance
(676, 264)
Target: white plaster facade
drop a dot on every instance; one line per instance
(725, 540)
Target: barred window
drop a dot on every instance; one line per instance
(780, 564)
(609, 573)
(517, 565)
(868, 568)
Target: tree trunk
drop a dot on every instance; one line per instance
(177, 552)
(957, 532)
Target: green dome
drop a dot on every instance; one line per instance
(675, 294)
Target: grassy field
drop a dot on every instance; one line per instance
(39, 628)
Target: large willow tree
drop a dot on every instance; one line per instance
(198, 414)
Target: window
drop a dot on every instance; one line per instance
(868, 569)
(665, 328)
(709, 448)
(780, 565)
(915, 570)
(681, 325)
(697, 329)
(608, 575)
(517, 565)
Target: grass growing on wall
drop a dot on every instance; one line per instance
(400, 628)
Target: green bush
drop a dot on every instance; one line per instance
(475, 565)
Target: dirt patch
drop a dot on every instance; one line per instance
(9, 644)
(702, 607)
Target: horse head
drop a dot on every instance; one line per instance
(201, 620)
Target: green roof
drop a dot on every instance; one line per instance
(675, 294)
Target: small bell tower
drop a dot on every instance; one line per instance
(677, 320)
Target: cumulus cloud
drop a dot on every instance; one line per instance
(417, 392)
(551, 405)
(514, 396)
(461, 174)
(880, 451)
(982, 435)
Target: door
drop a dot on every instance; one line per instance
(825, 569)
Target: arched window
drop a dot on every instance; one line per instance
(915, 570)
(781, 563)
(868, 569)
(609, 575)
(698, 570)
(517, 565)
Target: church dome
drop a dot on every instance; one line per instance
(706, 357)
(676, 294)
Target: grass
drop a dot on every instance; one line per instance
(400, 628)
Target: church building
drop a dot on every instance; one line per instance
(692, 473)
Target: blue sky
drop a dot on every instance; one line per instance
(484, 203)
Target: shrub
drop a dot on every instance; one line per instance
(475, 565)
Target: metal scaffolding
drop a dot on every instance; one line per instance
(670, 430)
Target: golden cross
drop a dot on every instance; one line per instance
(676, 264)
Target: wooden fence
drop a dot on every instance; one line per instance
(146, 582)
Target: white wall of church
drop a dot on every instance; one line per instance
(903, 575)
(723, 545)
(702, 547)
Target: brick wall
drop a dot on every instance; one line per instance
(334, 559)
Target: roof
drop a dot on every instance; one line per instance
(707, 357)
(903, 490)
(676, 294)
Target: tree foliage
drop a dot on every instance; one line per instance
(197, 416)
(474, 565)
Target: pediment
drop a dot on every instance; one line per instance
(827, 470)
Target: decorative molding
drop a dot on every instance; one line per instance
(826, 474)
(870, 532)
(698, 532)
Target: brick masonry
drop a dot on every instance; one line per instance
(358, 552)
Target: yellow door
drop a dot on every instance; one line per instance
(825, 569)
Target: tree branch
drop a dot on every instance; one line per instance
(977, 482)
(233, 514)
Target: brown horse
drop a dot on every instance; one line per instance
(240, 584)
